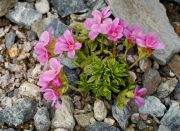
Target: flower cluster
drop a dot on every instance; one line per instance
(50, 80)
(116, 29)
(100, 44)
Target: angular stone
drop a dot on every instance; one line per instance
(10, 38)
(151, 80)
(172, 117)
(163, 128)
(42, 6)
(23, 14)
(5, 5)
(153, 107)
(121, 115)
(67, 62)
(23, 110)
(144, 12)
(49, 22)
(177, 92)
(67, 7)
(42, 120)
(101, 126)
(83, 119)
(174, 64)
(166, 87)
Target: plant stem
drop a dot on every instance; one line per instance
(114, 49)
(74, 88)
(74, 62)
(125, 53)
(135, 63)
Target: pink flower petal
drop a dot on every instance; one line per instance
(68, 36)
(45, 38)
(106, 12)
(49, 75)
(139, 101)
(142, 91)
(58, 105)
(97, 14)
(71, 53)
(77, 46)
(55, 64)
(88, 23)
(93, 35)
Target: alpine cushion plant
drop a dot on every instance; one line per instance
(105, 73)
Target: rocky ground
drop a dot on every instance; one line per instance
(21, 104)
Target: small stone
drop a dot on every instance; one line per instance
(177, 92)
(121, 115)
(5, 5)
(67, 62)
(133, 76)
(10, 38)
(13, 51)
(163, 128)
(92, 120)
(145, 64)
(153, 107)
(30, 90)
(174, 64)
(42, 120)
(63, 117)
(29, 14)
(60, 129)
(109, 121)
(101, 126)
(151, 80)
(172, 117)
(135, 118)
(155, 65)
(42, 6)
(83, 119)
(67, 7)
(27, 46)
(49, 22)
(100, 111)
(1, 59)
(5, 101)
(22, 110)
(142, 125)
(13, 67)
(166, 87)
(9, 129)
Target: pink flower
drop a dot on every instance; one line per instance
(138, 93)
(116, 31)
(50, 77)
(134, 34)
(67, 43)
(151, 41)
(95, 24)
(40, 49)
(51, 96)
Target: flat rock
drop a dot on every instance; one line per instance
(153, 107)
(151, 80)
(49, 22)
(163, 128)
(42, 120)
(63, 117)
(23, 14)
(67, 7)
(42, 6)
(166, 87)
(172, 117)
(5, 5)
(174, 64)
(101, 126)
(23, 110)
(144, 12)
(10, 39)
(121, 115)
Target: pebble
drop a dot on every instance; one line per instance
(83, 119)
(100, 111)
(133, 77)
(135, 118)
(166, 87)
(151, 80)
(10, 39)
(121, 115)
(153, 107)
(109, 121)
(42, 120)
(13, 51)
(177, 92)
(42, 6)
(60, 129)
(30, 90)
(63, 117)
(145, 64)
(155, 65)
(92, 120)
(5, 101)
(163, 128)
(5, 5)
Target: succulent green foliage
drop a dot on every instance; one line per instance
(103, 77)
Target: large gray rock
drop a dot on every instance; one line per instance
(23, 110)
(49, 22)
(177, 92)
(42, 120)
(63, 117)
(23, 14)
(144, 12)
(101, 126)
(153, 107)
(166, 87)
(121, 115)
(151, 80)
(67, 7)
(172, 117)
(5, 5)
